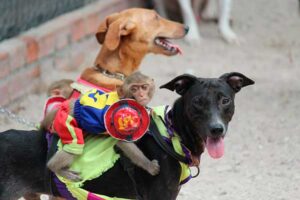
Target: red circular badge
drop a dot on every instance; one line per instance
(126, 120)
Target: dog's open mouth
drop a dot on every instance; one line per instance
(167, 45)
(215, 147)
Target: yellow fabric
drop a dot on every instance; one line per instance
(98, 101)
(159, 111)
(98, 156)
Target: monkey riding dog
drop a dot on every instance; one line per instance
(200, 116)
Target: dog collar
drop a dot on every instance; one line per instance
(109, 74)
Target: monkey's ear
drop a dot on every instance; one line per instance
(120, 91)
(181, 83)
(55, 92)
(237, 80)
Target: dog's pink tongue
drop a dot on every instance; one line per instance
(215, 147)
(177, 47)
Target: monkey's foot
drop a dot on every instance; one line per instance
(69, 174)
(153, 167)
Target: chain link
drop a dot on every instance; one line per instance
(16, 118)
(17, 16)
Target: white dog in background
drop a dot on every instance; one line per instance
(189, 10)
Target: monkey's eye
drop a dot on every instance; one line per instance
(145, 87)
(133, 89)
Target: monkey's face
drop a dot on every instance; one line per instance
(140, 93)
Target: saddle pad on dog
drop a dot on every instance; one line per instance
(98, 156)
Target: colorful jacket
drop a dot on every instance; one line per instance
(89, 112)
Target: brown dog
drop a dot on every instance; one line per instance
(126, 37)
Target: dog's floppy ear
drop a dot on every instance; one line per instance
(236, 80)
(181, 83)
(112, 29)
(115, 31)
(103, 27)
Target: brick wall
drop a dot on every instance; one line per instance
(61, 43)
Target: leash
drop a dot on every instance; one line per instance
(197, 173)
(16, 118)
(162, 143)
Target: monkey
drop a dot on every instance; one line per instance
(136, 86)
(60, 88)
(57, 92)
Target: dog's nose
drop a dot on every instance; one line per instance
(186, 29)
(216, 129)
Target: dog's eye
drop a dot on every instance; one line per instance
(225, 101)
(197, 101)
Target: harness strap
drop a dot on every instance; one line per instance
(162, 143)
(52, 148)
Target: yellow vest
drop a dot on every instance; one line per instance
(160, 111)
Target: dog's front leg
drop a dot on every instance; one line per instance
(190, 20)
(224, 22)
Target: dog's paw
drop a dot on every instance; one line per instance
(71, 175)
(229, 36)
(193, 40)
(153, 167)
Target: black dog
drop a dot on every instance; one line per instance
(200, 117)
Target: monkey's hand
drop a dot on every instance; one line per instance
(70, 174)
(60, 163)
(153, 167)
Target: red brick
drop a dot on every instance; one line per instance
(92, 22)
(16, 50)
(47, 67)
(47, 63)
(62, 37)
(3, 56)
(77, 60)
(4, 70)
(34, 72)
(77, 55)
(4, 65)
(46, 44)
(89, 45)
(62, 60)
(44, 36)
(17, 85)
(20, 83)
(77, 30)
(4, 97)
(32, 51)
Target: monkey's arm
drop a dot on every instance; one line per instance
(138, 158)
(59, 163)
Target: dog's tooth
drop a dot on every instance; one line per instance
(157, 41)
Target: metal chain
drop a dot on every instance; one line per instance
(16, 118)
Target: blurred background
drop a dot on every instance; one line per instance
(43, 41)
